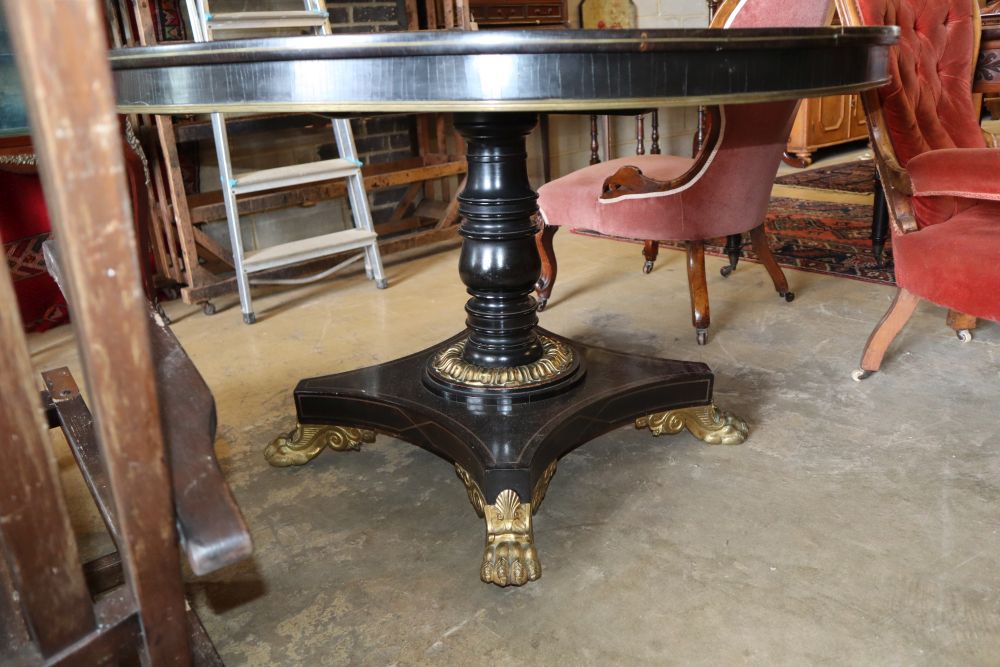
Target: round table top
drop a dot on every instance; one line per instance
(523, 70)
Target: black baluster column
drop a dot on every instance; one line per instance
(499, 265)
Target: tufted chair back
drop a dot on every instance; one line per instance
(928, 104)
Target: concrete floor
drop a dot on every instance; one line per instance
(857, 526)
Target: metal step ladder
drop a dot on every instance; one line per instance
(205, 26)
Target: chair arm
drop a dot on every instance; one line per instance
(631, 181)
(956, 172)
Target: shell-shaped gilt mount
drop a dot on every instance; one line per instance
(306, 441)
(508, 515)
(705, 422)
(557, 360)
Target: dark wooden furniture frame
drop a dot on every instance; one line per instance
(504, 400)
(146, 455)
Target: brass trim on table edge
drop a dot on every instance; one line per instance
(705, 422)
(558, 360)
(126, 58)
(539, 105)
(306, 441)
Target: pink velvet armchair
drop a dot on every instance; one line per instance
(724, 190)
(940, 180)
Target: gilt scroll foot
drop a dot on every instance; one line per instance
(304, 443)
(509, 558)
(705, 422)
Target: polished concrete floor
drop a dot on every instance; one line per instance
(859, 524)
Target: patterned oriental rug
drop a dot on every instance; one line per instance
(857, 177)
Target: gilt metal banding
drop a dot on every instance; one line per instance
(557, 360)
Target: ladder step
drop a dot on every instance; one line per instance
(306, 249)
(273, 19)
(295, 174)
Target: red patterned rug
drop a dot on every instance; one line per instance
(857, 176)
(822, 237)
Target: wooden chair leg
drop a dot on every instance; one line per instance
(962, 324)
(763, 250)
(547, 278)
(885, 332)
(650, 250)
(698, 286)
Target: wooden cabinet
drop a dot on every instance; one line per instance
(822, 122)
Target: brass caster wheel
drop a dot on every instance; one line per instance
(787, 296)
(382, 284)
(727, 270)
(860, 374)
(964, 335)
(702, 335)
(208, 308)
(647, 267)
(542, 302)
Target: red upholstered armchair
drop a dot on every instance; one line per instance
(940, 180)
(724, 190)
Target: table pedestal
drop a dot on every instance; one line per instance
(503, 400)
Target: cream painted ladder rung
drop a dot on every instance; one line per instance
(294, 174)
(307, 249)
(261, 20)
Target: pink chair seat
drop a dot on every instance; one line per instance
(573, 202)
(954, 263)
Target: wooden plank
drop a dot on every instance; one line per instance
(214, 248)
(412, 15)
(175, 263)
(451, 215)
(193, 272)
(208, 207)
(104, 573)
(68, 94)
(37, 535)
(213, 531)
(386, 247)
(114, 642)
(405, 202)
(15, 643)
(78, 427)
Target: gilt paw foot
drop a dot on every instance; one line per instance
(509, 558)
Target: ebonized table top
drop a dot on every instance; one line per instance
(552, 70)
